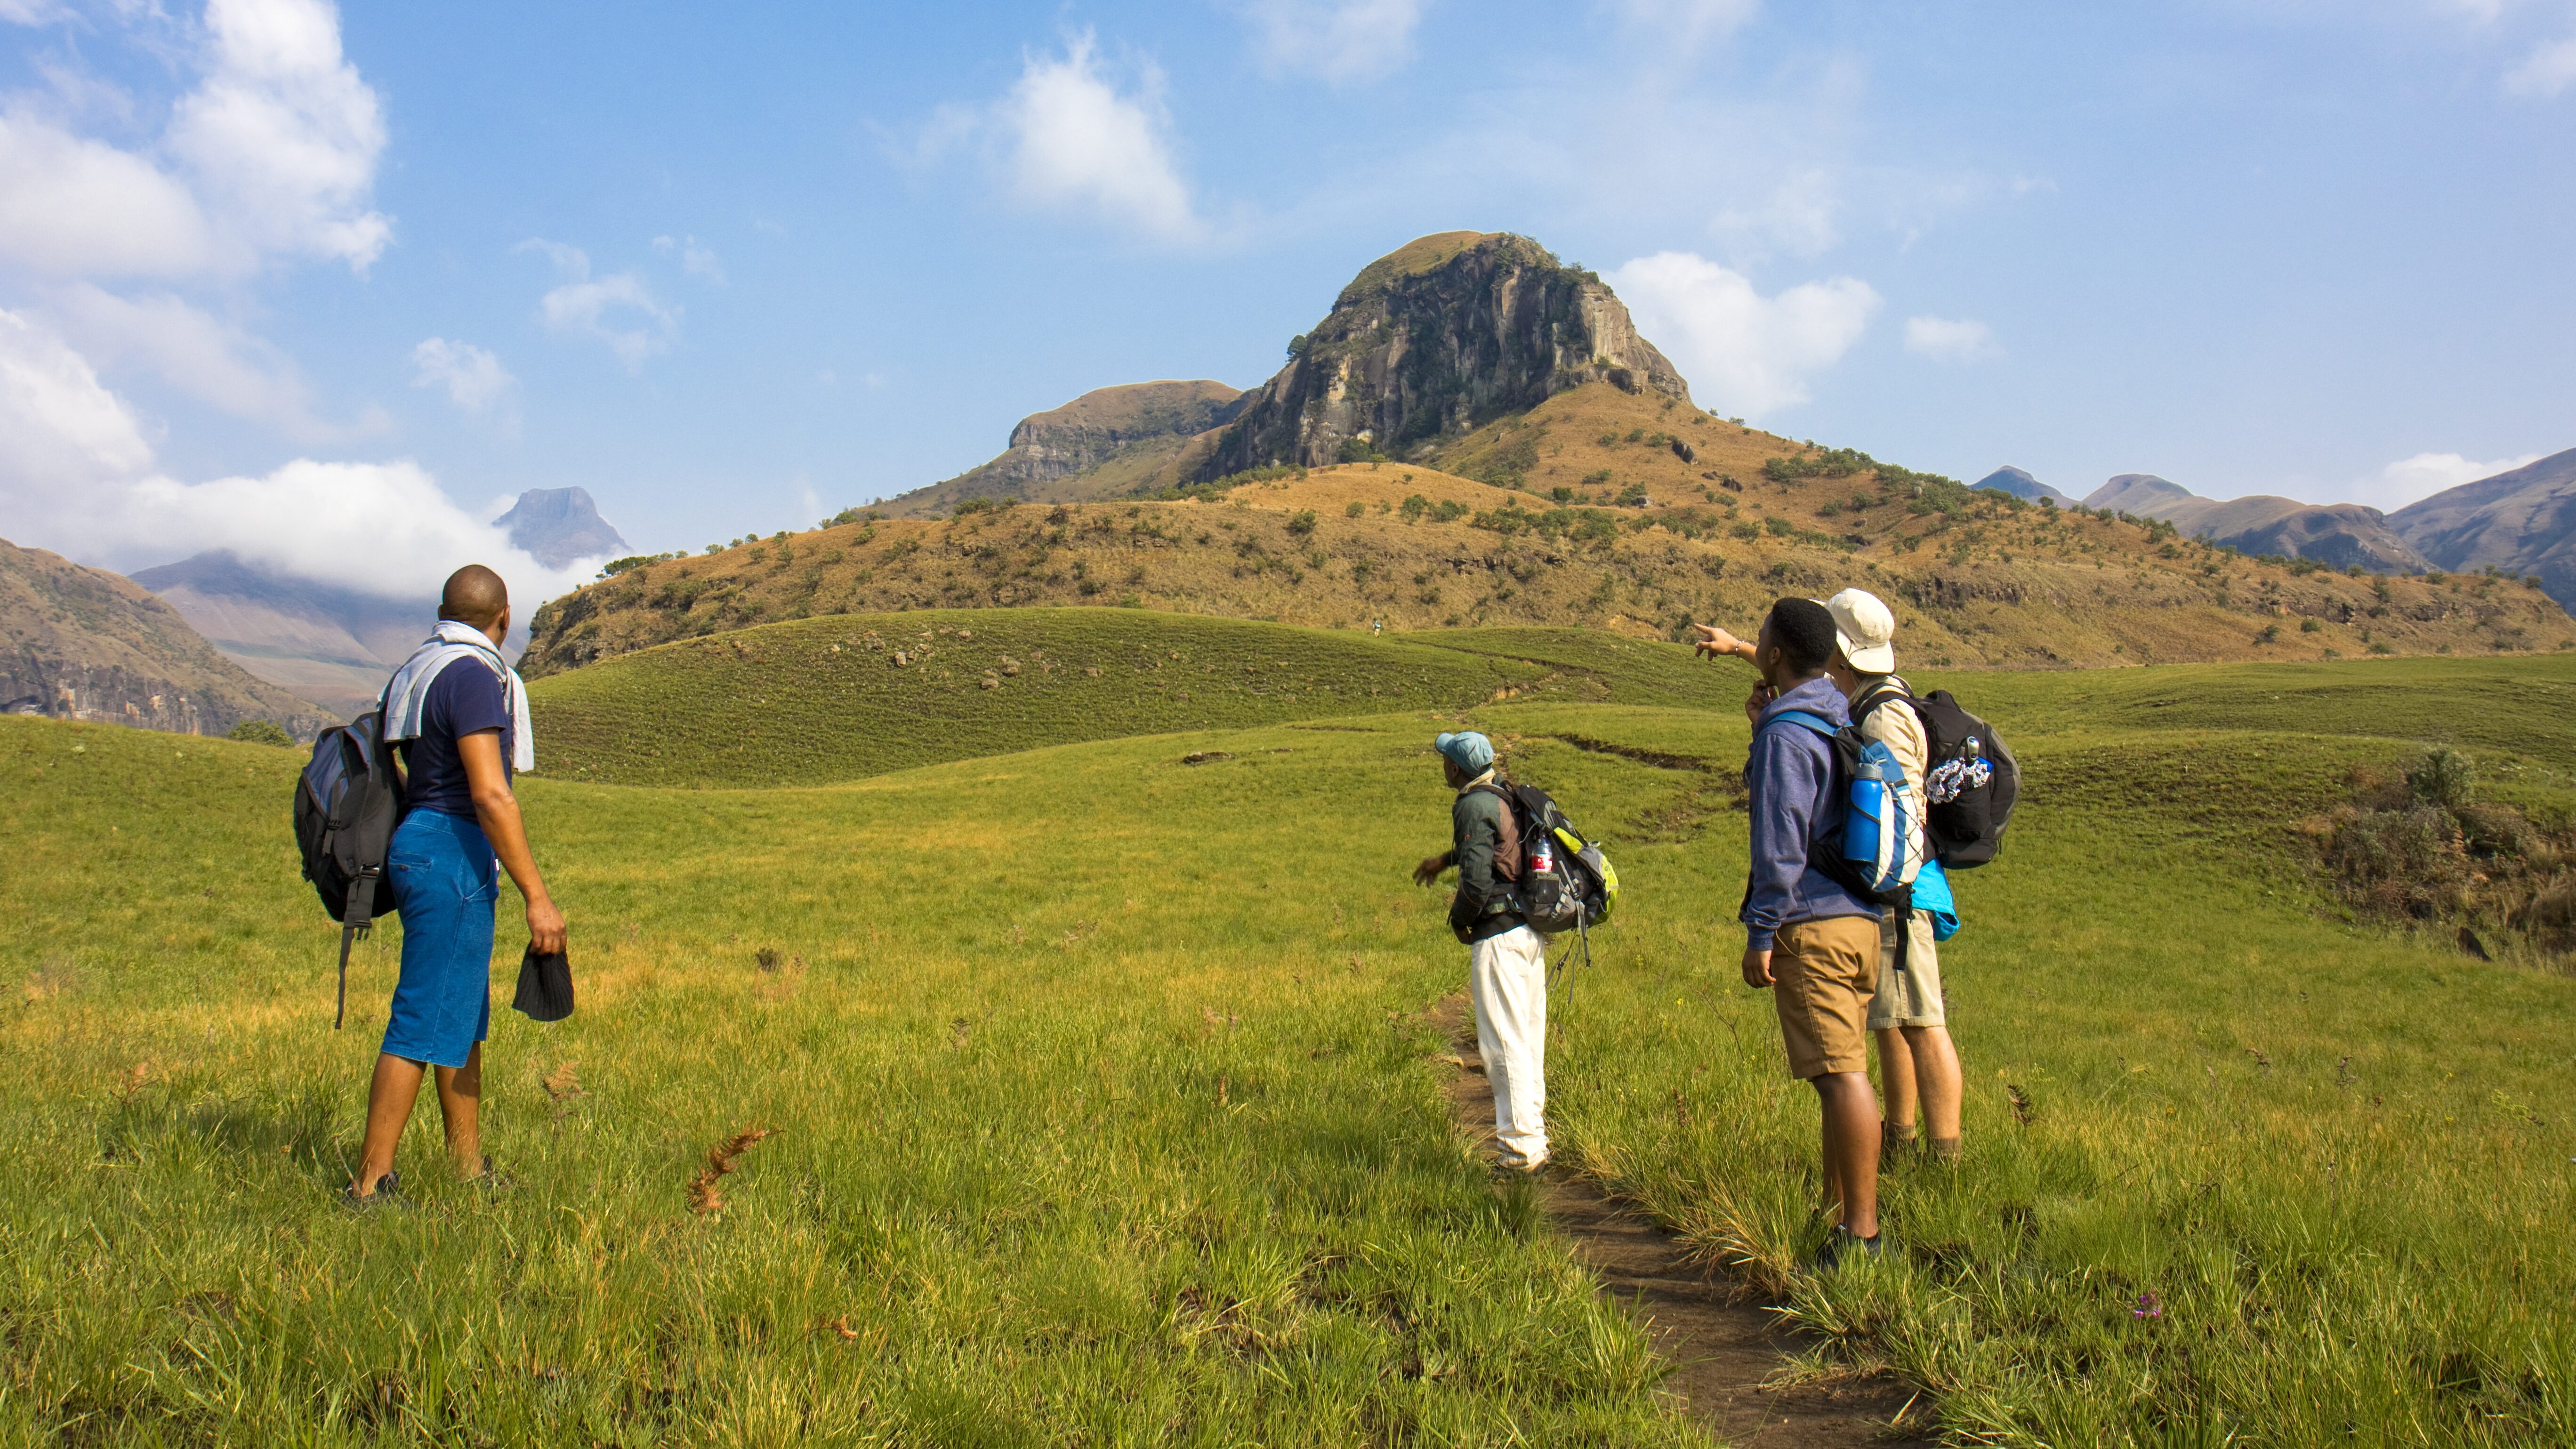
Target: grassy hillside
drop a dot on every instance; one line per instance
(1978, 578)
(857, 695)
(83, 643)
(1106, 1113)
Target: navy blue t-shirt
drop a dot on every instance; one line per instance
(465, 697)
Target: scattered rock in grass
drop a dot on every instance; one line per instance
(1010, 666)
(1205, 757)
(988, 682)
(902, 660)
(1091, 672)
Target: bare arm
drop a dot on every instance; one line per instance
(1716, 643)
(498, 810)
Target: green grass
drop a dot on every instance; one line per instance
(1106, 1115)
(782, 705)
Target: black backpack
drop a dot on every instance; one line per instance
(347, 804)
(1564, 882)
(1970, 782)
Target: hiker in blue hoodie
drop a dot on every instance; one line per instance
(1813, 944)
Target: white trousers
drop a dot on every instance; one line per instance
(1507, 975)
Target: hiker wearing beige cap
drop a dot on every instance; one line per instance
(1908, 1015)
(1918, 1066)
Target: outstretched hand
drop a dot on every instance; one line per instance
(1429, 871)
(1715, 642)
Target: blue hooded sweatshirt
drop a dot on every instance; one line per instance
(1790, 776)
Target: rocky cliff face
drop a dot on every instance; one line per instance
(1436, 338)
(82, 643)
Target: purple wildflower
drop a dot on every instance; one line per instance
(2149, 1306)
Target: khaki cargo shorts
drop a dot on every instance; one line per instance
(1911, 997)
(1821, 976)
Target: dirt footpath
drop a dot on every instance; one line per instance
(1723, 1343)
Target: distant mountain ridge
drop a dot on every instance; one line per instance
(2340, 534)
(1110, 437)
(336, 646)
(2522, 522)
(85, 644)
(2021, 485)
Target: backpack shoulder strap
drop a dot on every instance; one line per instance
(1815, 722)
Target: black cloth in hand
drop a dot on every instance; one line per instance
(545, 986)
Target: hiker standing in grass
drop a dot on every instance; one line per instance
(1908, 1011)
(460, 714)
(1506, 960)
(1908, 1015)
(1814, 944)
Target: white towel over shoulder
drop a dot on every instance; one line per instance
(407, 693)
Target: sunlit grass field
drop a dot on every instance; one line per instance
(1106, 1110)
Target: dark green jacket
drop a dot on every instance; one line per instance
(1486, 850)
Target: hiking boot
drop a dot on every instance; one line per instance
(1512, 1164)
(1844, 1243)
(1942, 1151)
(388, 1194)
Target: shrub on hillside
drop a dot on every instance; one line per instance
(260, 732)
(2416, 846)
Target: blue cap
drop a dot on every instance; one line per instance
(1467, 750)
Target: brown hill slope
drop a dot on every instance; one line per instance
(1977, 577)
(1105, 442)
(86, 644)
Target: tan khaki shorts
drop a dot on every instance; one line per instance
(1911, 997)
(1821, 975)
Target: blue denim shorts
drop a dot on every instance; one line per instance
(445, 887)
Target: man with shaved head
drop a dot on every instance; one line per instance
(459, 713)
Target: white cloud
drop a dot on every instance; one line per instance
(59, 426)
(474, 379)
(276, 148)
(75, 207)
(1685, 25)
(1744, 353)
(282, 134)
(619, 310)
(1336, 41)
(2547, 71)
(2410, 479)
(1796, 218)
(1075, 141)
(211, 360)
(33, 12)
(1945, 339)
(76, 474)
(695, 259)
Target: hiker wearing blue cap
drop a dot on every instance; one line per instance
(1506, 960)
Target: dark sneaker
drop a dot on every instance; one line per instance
(1843, 1244)
(388, 1194)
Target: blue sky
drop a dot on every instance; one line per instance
(320, 285)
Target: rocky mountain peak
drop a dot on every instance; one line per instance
(1443, 334)
(555, 526)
